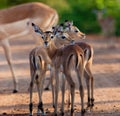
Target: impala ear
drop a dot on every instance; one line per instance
(66, 20)
(36, 28)
(68, 23)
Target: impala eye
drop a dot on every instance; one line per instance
(42, 37)
(46, 43)
(53, 27)
(52, 37)
(76, 31)
(63, 37)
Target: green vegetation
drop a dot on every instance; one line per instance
(80, 11)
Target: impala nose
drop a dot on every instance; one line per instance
(46, 43)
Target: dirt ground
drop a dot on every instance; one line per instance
(106, 72)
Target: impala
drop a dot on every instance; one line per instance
(72, 31)
(14, 26)
(39, 64)
(63, 57)
(106, 23)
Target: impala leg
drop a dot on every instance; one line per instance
(63, 94)
(53, 85)
(6, 46)
(40, 83)
(81, 89)
(72, 91)
(31, 104)
(56, 90)
(31, 90)
(88, 70)
(68, 96)
(92, 91)
(87, 78)
(40, 104)
(72, 87)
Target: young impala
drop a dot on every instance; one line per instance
(72, 31)
(39, 62)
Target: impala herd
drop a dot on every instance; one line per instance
(60, 53)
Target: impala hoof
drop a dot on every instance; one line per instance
(54, 106)
(30, 115)
(15, 91)
(46, 89)
(83, 112)
(43, 114)
(62, 113)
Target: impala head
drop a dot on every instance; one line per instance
(73, 31)
(47, 38)
(63, 38)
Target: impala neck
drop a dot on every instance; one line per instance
(51, 49)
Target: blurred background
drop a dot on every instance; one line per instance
(90, 16)
(93, 17)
